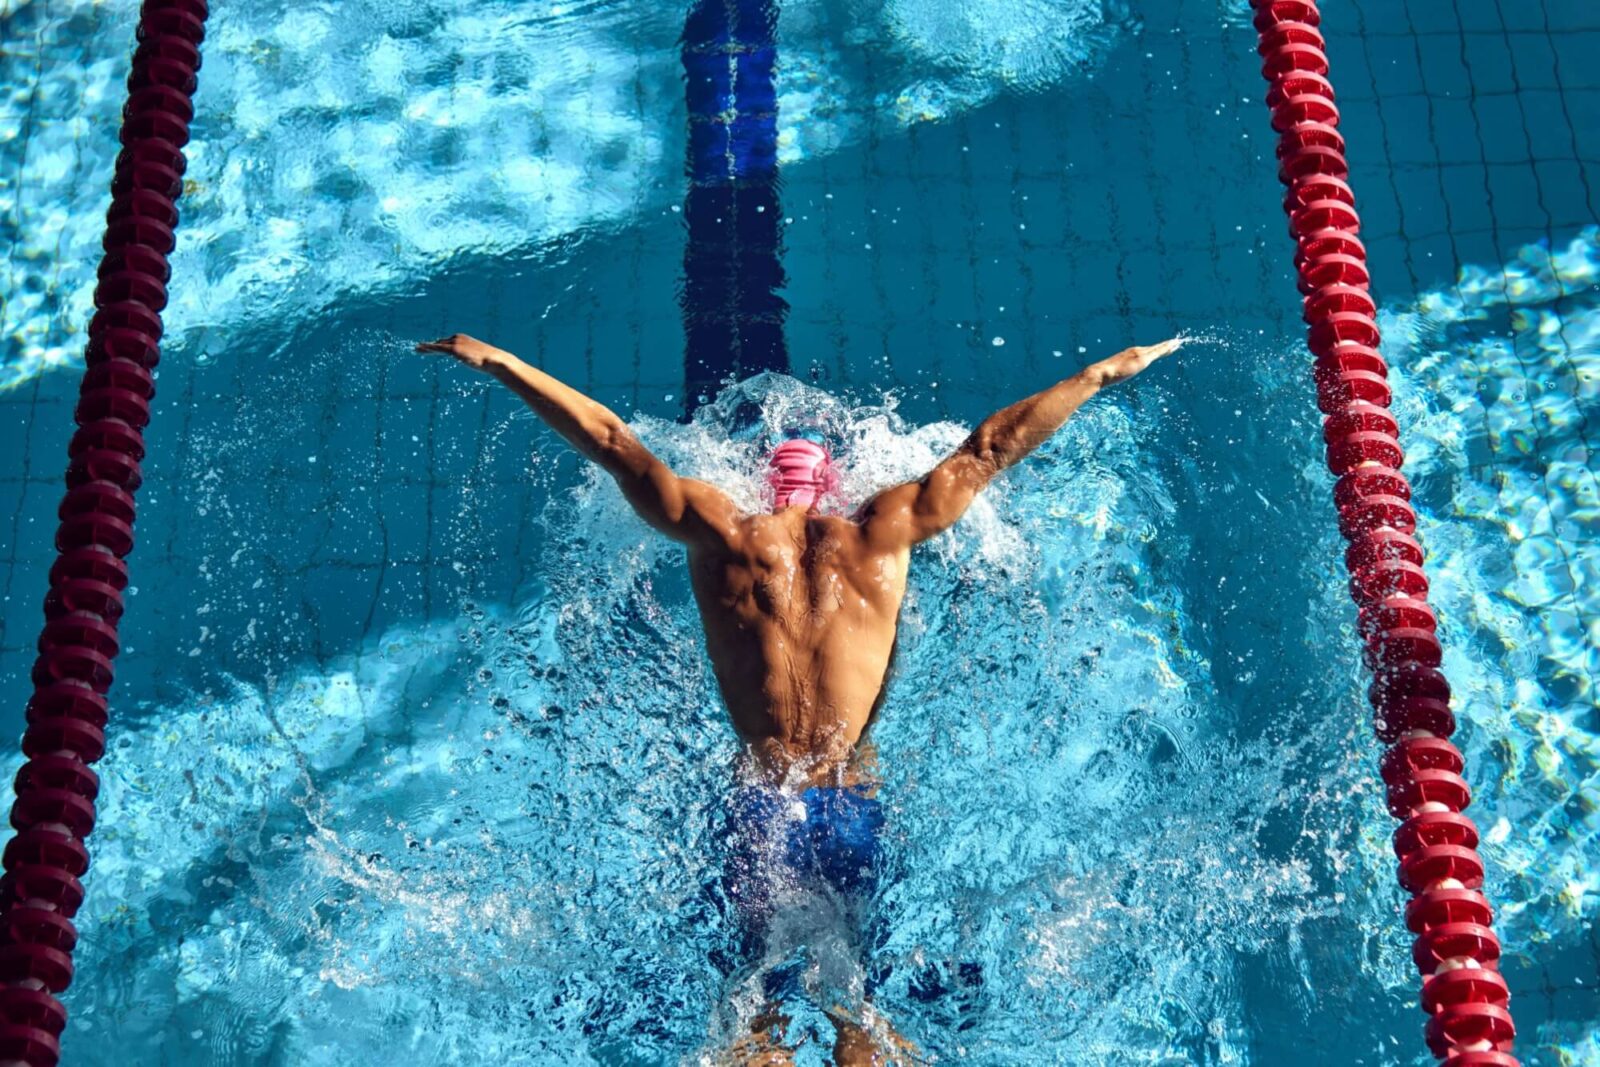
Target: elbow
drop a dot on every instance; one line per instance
(615, 432)
(990, 447)
(981, 444)
(1097, 376)
(613, 441)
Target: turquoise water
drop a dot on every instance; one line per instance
(416, 756)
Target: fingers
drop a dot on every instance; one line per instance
(463, 349)
(1165, 348)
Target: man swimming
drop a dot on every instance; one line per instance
(800, 612)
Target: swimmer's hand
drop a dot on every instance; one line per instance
(1131, 361)
(469, 350)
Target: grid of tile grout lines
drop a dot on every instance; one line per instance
(1374, 170)
(1552, 228)
(1406, 237)
(1459, 164)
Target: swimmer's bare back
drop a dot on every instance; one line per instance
(799, 608)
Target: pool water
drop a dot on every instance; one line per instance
(416, 758)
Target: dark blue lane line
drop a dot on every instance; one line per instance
(732, 312)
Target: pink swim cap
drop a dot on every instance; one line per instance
(800, 472)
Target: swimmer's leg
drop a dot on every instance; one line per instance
(749, 868)
(846, 827)
(761, 1040)
(856, 1046)
(853, 1046)
(763, 1046)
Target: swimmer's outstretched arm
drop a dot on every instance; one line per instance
(913, 512)
(682, 508)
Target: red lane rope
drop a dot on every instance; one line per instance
(1456, 953)
(54, 810)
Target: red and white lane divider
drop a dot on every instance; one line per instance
(54, 810)
(1456, 952)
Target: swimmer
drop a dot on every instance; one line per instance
(800, 611)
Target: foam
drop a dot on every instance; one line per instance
(467, 826)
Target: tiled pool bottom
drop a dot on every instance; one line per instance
(332, 506)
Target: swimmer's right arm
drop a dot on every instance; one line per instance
(916, 511)
(682, 508)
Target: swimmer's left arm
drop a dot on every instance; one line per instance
(913, 512)
(682, 508)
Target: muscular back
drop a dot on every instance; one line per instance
(799, 608)
(800, 612)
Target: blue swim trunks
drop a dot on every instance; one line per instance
(824, 838)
